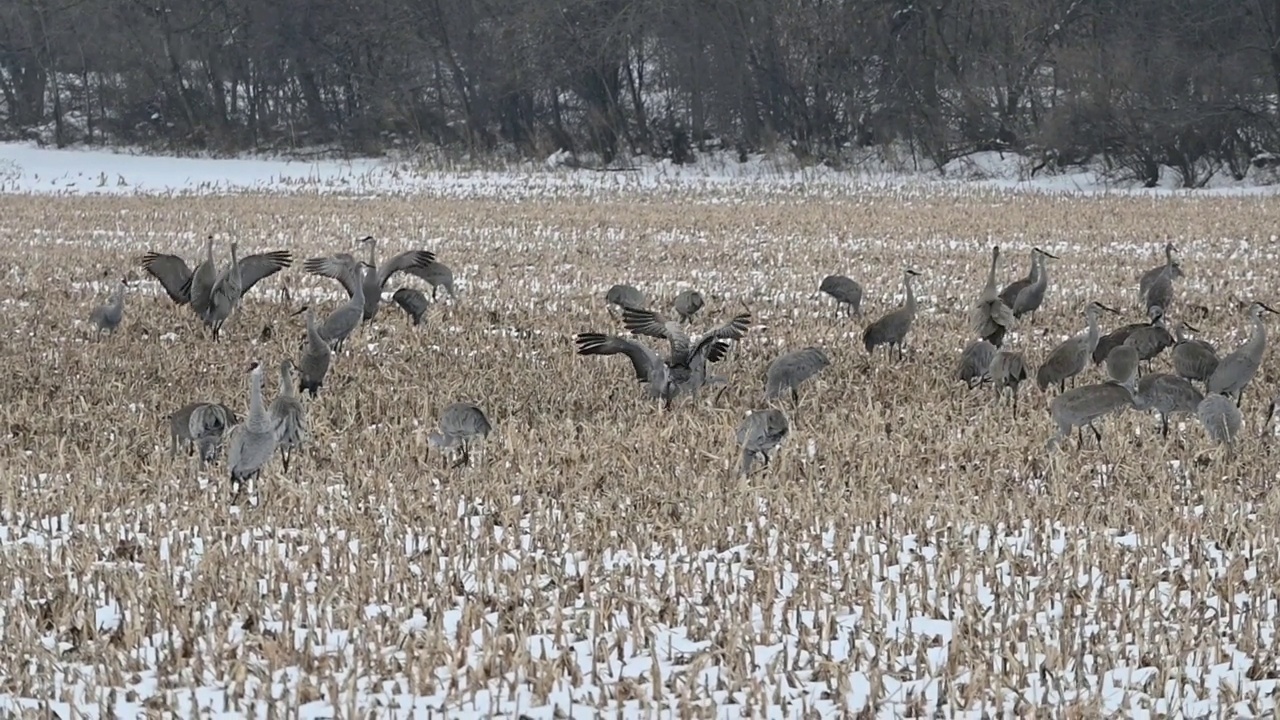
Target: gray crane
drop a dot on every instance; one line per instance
(1168, 395)
(253, 442)
(1025, 295)
(1236, 369)
(1152, 339)
(684, 370)
(1193, 359)
(1071, 356)
(313, 362)
(1008, 369)
(1081, 406)
(990, 319)
(461, 424)
(182, 285)
(975, 363)
(1221, 420)
(790, 370)
(344, 268)
(1122, 364)
(892, 328)
(1160, 294)
(1118, 337)
(846, 291)
(413, 302)
(288, 416)
(196, 288)
(108, 316)
(1148, 278)
(687, 304)
(200, 425)
(759, 434)
(625, 296)
(344, 321)
(438, 275)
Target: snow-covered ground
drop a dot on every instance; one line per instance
(127, 615)
(26, 168)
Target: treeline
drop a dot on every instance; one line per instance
(1191, 84)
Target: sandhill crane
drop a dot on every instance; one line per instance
(108, 316)
(759, 434)
(1008, 369)
(460, 425)
(200, 425)
(687, 304)
(1026, 295)
(1170, 266)
(1028, 299)
(184, 286)
(1160, 293)
(343, 321)
(625, 296)
(1080, 406)
(790, 370)
(1167, 394)
(1236, 369)
(684, 370)
(253, 442)
(1118, 337)
(1151, 340)
(1071, 356)
(892, 328)
(239, 276)
(413, 302)
(344, 268)
(846, 291)
(1221, 420)
(1122, 364)
(313, 362)
(197, 288)
(649, 322)
(990, 319)
(288, 417)
(1193, 359)
(437, 274)
(975, 363)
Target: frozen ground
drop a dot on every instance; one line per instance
(532, 610)
(26, 168)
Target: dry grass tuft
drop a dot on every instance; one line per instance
(910, 548)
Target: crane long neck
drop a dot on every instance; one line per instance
(313, 332)
(362, 274)
(286, 384)
(1093, 331)
(991, 274)
(256, 410)
(911, 296)
(1257, 341)
(372, 260)
(1038, 275)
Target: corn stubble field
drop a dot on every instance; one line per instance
(912, 549)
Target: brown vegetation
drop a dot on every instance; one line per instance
(593, 523)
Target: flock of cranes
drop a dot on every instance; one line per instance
(280, 426)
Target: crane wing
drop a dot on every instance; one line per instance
(255, 268)
(643, 359)
(404, 261)
(341, 267)
(173, 274)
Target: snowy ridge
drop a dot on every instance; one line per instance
(25, 168)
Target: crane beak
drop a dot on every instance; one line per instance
(1191, 327)
(301, 310)
(1049, 255)
(1109, 309)
(1266, 307)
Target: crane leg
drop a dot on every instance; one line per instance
(1164, 425)
(795, 397)
(284, 457)
(1239, 397)
(1096, 434)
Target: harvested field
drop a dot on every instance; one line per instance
(911, 548)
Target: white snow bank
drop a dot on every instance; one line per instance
(28, 169)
